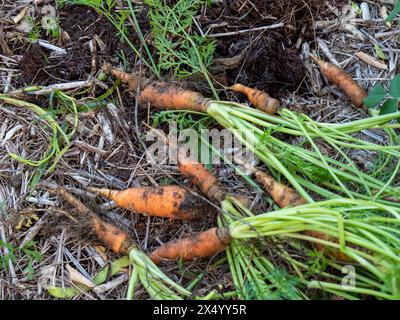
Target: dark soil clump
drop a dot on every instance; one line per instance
(32, 64)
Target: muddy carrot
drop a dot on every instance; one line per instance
(115, 239)
(260, 99)
(285, 196)
(343, 80)
(160, 94)
(129, 79)
(168, 201)
(201, 177)
(199, 245)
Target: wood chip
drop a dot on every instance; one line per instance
(111, 284)
(20, 15)
(371, 60)
(77, 277)
(366, 15)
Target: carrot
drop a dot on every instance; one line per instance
(201, 177)
(260, 99)
(285, 196)
(168, 201)
(205, 180)
(199, 245)
(343, 80)
(166, 96)
(126, 78)
(115, 239)
(160, 94)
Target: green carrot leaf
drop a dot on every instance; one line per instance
(379, 52)
(375, 96)
(390, 106)
(395, 11)
(395, 87)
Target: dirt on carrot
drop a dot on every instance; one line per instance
(199, 245)
(343, 80)
(171, 202)
(260, 99)
(114, 238)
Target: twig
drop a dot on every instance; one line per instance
(386, 34)
(50, 46)
(234, 33)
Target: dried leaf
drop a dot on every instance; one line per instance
(77, 277)
(371, 60)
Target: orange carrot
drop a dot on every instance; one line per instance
(200, 245)
(343, 80)
(166, 96)
(168, 201)
(260, 99)
(201, 177)
(114, 238)
(205, 180)
(160, 94)
(126, 78)
(285, 196)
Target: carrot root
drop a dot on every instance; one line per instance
(166, 96)
(114, 238)
(205, 180)
(260, 99)
(160, 94)
(200, 245)
(171, 202)
(343, 80)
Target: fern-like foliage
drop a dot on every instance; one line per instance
(179, 48)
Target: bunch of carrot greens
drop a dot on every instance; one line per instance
(311, 169)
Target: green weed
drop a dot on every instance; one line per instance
(27, 252)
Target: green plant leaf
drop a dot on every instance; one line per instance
(375, 96)
(379, 52)
(395, 87)
(389, 106)
(62, 293)
(395, 11)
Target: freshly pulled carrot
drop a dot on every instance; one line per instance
(200, 245)
(160, 94)
(114, 238)
(285, 196)
(201, 177)
(260, 99)
(163, 95)
(343, 80)
(168, 201)
(206, 181)
(129, 79)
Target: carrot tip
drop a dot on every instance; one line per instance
(108, 193)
